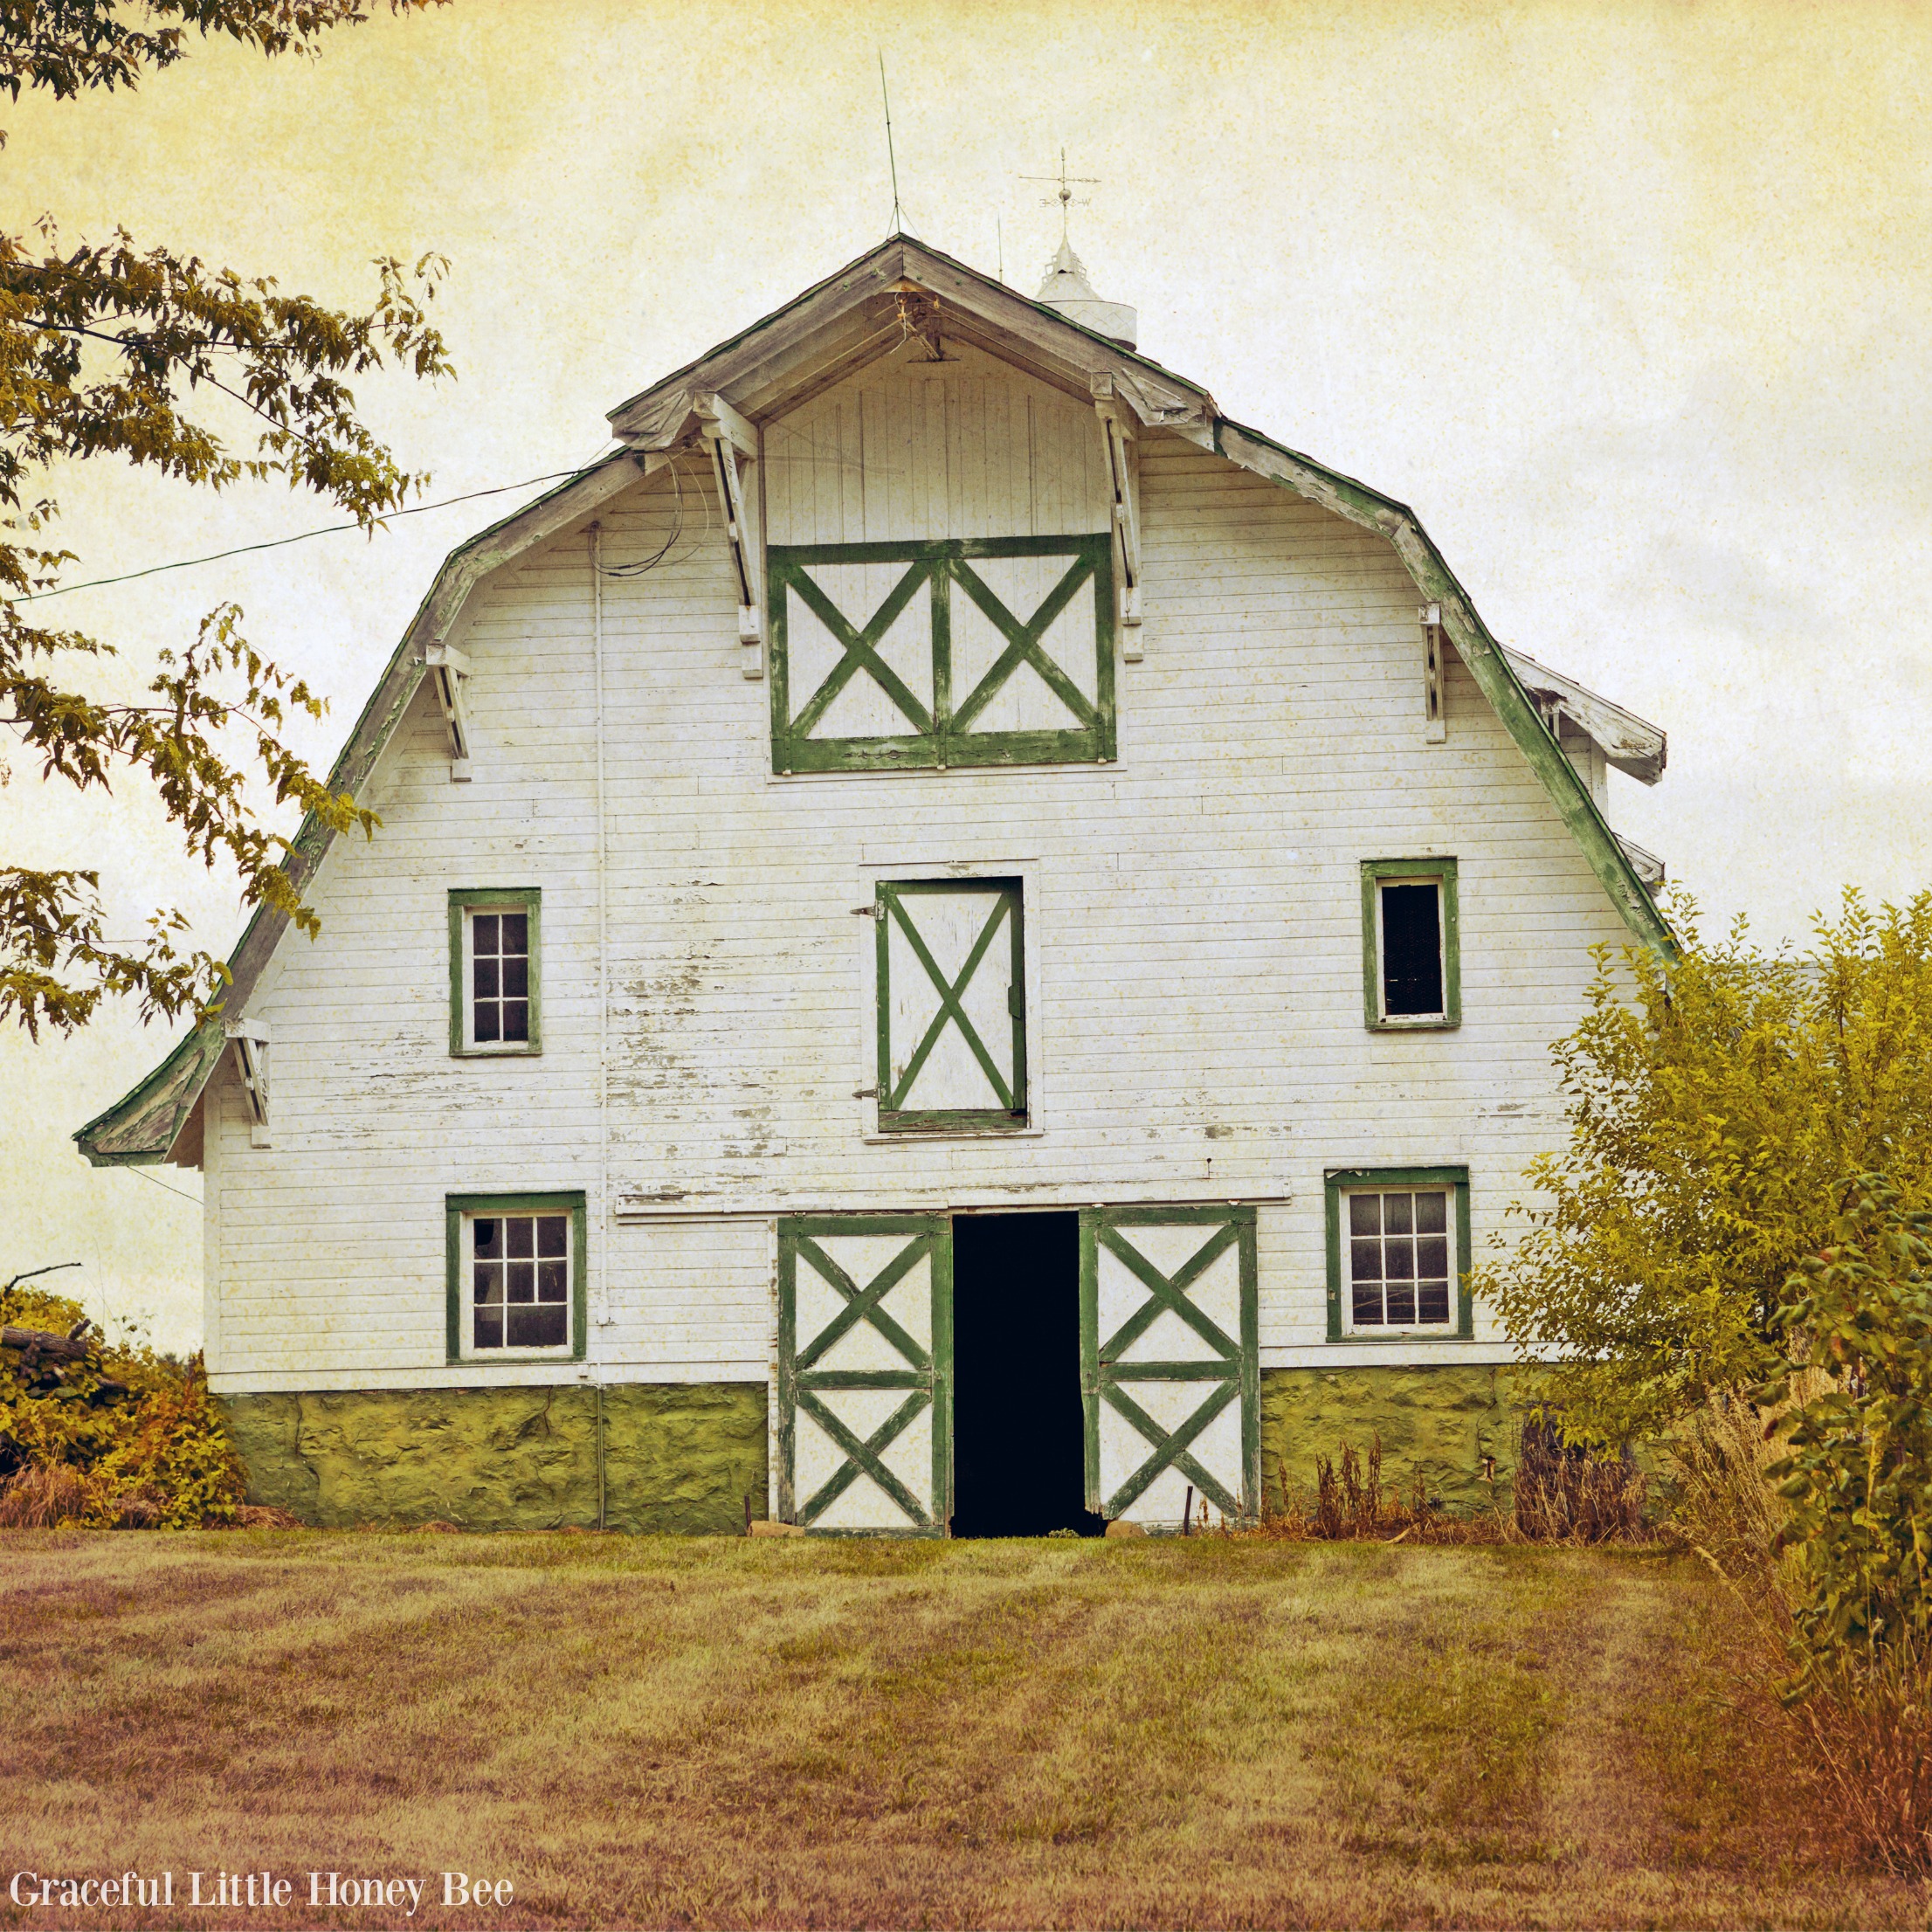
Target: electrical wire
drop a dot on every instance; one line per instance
(194, 1200)
(301, 537)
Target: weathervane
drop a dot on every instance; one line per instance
(1065, 196)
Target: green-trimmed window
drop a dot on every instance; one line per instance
(951, 970)
(1398, 1253)
(517, 1269)
(1412, 970)
(495, 959)
(980, 650)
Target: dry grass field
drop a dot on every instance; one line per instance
(699, 1733)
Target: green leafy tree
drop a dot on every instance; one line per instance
(114, 349)
(1718, 1105)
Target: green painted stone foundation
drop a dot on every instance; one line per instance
(677, 1456)
(1441, 1423)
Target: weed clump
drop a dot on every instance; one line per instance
(105, 1436)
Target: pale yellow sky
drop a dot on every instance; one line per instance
(1629, 301)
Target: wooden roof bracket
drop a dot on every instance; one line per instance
(248, 1041)
(1435, 719)
(449, 669)
(734, 444)
(1124, 484)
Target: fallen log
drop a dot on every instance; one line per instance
(40, 1342)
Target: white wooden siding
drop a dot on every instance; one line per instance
(1195, 1025)
(913, 450)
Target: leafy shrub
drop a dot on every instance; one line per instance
(1715, 1102)
(1857, 1477)
(120, 1438)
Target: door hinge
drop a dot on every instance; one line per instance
(865, 1093)
(874, 911)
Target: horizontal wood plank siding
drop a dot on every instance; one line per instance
(1196, 1031)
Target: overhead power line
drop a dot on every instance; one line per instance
(301, 537)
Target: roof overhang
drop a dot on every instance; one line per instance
(862, 313)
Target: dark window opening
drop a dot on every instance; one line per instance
(520, 1268)
(1019, 1429)
(500, 967)
(1398, 1258)
(1412, 950)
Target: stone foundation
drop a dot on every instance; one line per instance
(677, 1456)
(1437, 1423)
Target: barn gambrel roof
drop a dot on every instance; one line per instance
(818, 339)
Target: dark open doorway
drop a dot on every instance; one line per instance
(1019, 1458)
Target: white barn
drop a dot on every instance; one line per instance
(957, 942)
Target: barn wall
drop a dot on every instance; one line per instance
(1195, 1025)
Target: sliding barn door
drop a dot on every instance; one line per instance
(1169, 1369)
(865, 1372)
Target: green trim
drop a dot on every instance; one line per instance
(189, 1062)
(927, 1376)
(1334, 1183)
(455, 1206)
(940, 738)
(894, 1117)
(1374, 870)
(470, 899)
(1234, 1367)
(1480, 652)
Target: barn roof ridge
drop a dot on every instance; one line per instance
(143, 1126)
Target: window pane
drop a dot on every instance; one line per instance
(1432, 1258)
(489, 1240)
(1411, 950)
(522, 1234)
(489, 1025)
(1432, 1214)
(1402, 1303)
(1395, 1212)
(487, 985)
(553, 1234)
(1431, 1300)
(1400, 1261)
(1368, 1304)
(483, 933)
(489, 1282)
(539, 1327)
(489, 1330)
(1365, 1260)
(1364, 1214)
(516, 1020)
(522, 1280)
(516, 927)
(553, 1281)
(516, 979)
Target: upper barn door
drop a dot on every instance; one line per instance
(1170, 1363)
(865, 1372)
(951, 988)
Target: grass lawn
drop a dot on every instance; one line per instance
(729, 1732)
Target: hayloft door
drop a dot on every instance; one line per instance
(1169, 1363)
(865, 1372)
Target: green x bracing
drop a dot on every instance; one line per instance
(1071, 662)
(939, 1066)
(864, 1364)
(1164, 1366)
